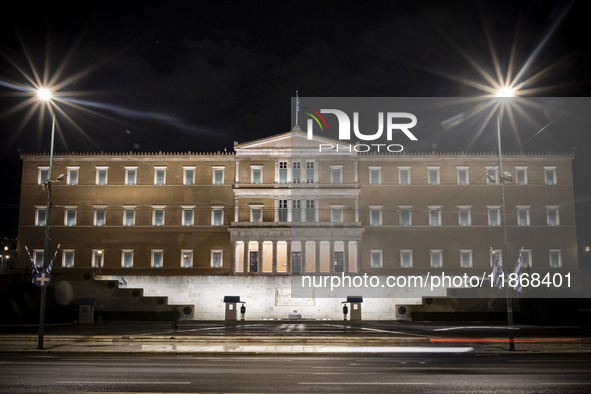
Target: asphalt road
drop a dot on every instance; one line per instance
(400, 373)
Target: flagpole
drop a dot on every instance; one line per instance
(505, 241)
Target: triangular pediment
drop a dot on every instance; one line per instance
(295, 139)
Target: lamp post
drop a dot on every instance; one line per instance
(505, 93)
(45, 95)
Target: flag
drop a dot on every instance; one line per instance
(517, 271)
(497, 271)
(35, 270)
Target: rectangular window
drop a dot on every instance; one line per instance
(436, 259)
(404, 175)
(256, 214)
(463, 175)
(492, 175)
(130, 175)
(188, 216)
(296, 172)
(98, 258)
(336, 175)
(101, 175)
(42, 175)
(127, 258)
(283, 172)
(70, 217)
(375, 175)
(494, 216)
(523, 216)
(158, 216)
(128, 216)
(186, 258)
(406, 258)
(405, 215)
(100, 216)
(433, 175)
(67, 258)
(217, 216)
(376, 259)
(555, 258)
(525, 258)
(38, 257)
(336, 213)
(550, 175)
(188, 175)
(552, 216)
(521, 175)
(310, 172)
(375, 215)
(464, 216)
(310, 211)
(159, 175)
(282, 212)
(40, 216)
(465, 258)
(216, 259)
(157, 258)
(296, 211)
(218, 175)
(435, 216)
(256, 174)
(73, 175)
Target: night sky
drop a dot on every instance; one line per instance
(194, 75)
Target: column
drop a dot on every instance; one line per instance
(236, 202)
(331, 256)
(357, 209)
(346, 256)
(245, 261)
(274, 253)
(288, 257)
(317, 252)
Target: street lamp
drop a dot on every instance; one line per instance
(45, 95)
(505, 92)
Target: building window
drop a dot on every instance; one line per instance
(494, 215)
(465, 258)
(73, 175)
(523, 215)
(310, 211)
(188, 175)
(70, 216)
(375, 215)
(282, 211)
(464, 215)
(405, 215)
(98, 256)
(498, 253)
(375, 175)
(463, 175)
(404, 175)
(40, 215)
(492, 175)
(376, 259)
(336, 175)
(336, 213)
(130, 175)
(433, 175)
(127, 258)
(42, 175)
(296, 211)
(283, 172)
(188, 215)
(217, 216)
(310, 172)
(186, 258)
(102, 175)
(100, 216)
(38, 257)
(552, 216)
(436, 259)
(406, 258)
(550, 175)
(158, 215)
(256, 213)
(216, 258)
(218, 175)
(435, 215)
(521, 175)
(256, 175)
(157, 258)
(67, 258)
(129, 216)
(159, 175)
(296, 172)
(525, 256)
(555, 256)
